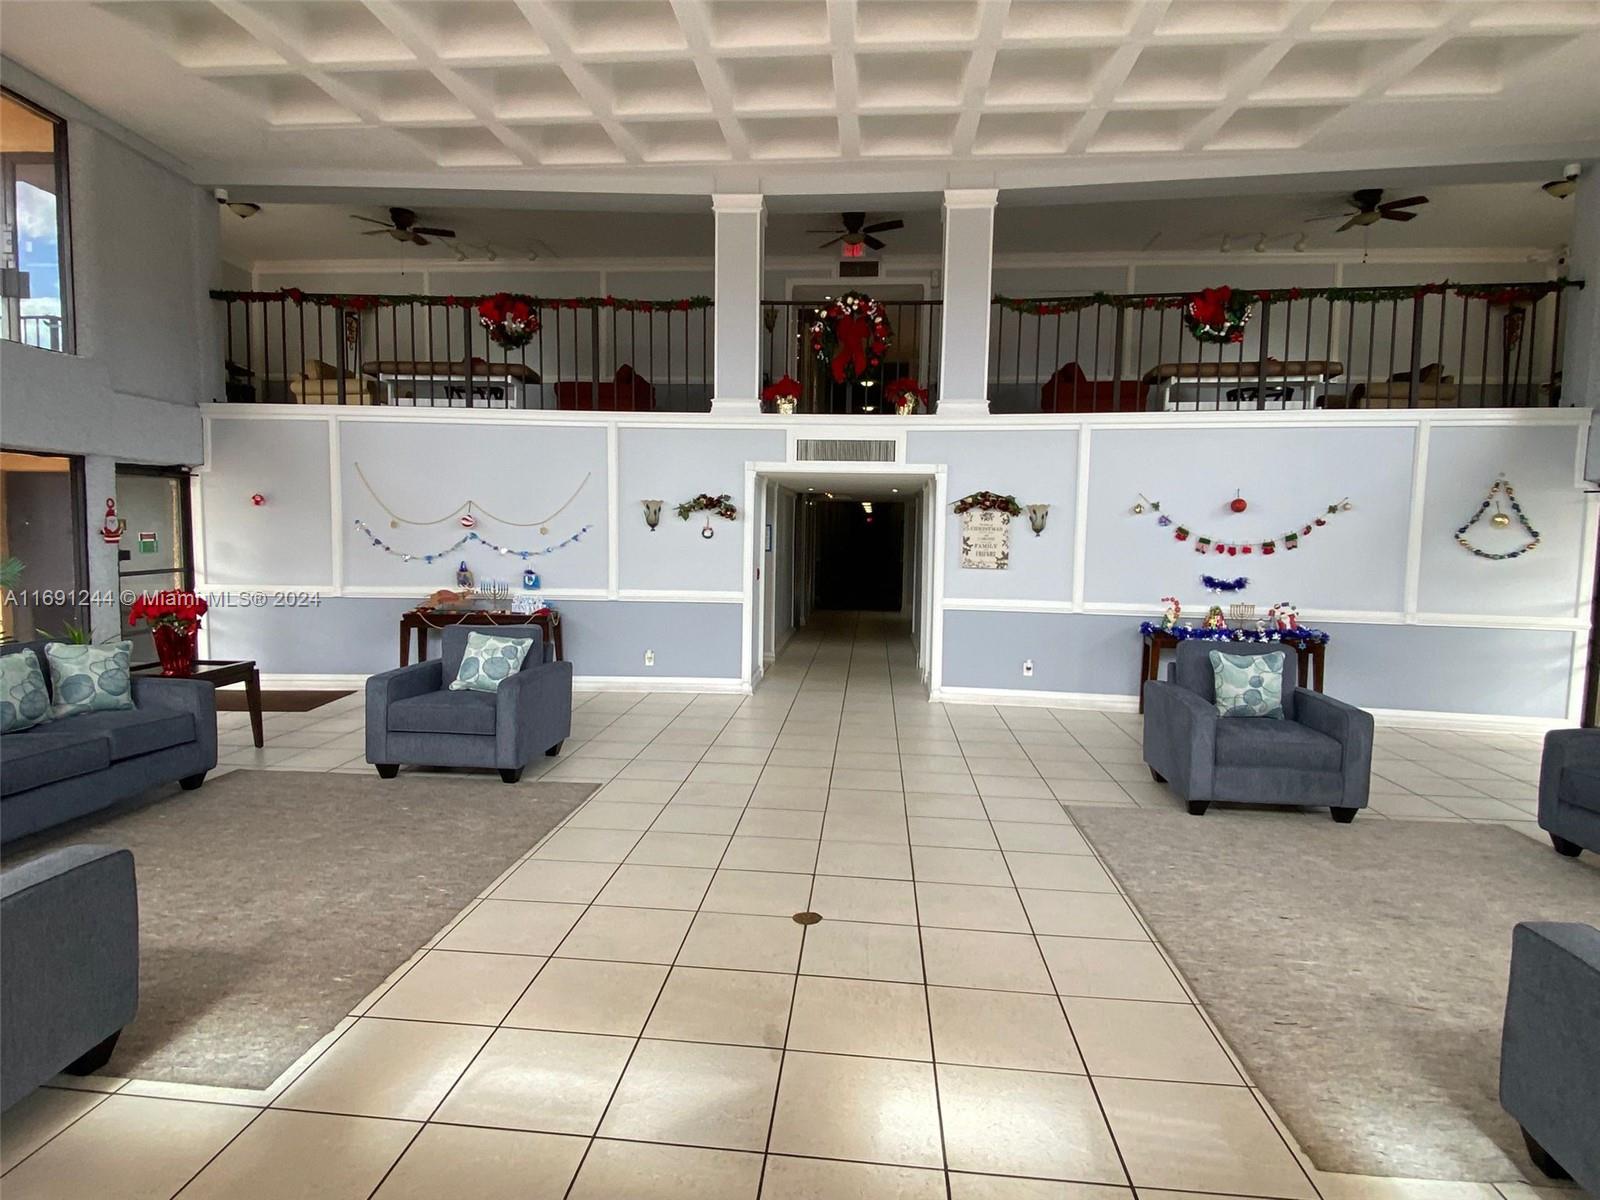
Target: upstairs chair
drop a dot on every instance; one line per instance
(1569, 790)
(414, 717)
(1319, 752)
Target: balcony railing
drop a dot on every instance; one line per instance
(1429, 346)
(589, 354)
(915, 326)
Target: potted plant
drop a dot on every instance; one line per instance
(174, 620)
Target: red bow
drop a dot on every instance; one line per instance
(1210, 306)
(853, 333)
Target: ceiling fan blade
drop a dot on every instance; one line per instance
(1327, 217)
(827, 231)
(1350, 224)
(399, 235)
(1398, 215)
(418, 240)
(853, 221)
(872, 242)
(1410, 202)
(369, 220)
(826, 244)
(447, 233)
(884, 226)
(376, 232)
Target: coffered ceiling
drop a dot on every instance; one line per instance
(800, 94)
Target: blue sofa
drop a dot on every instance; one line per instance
(1569, 790)
(414, 717)
(1319, 754)
(69, 964)
(71, 766)
(1550, 1048)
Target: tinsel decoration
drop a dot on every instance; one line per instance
(465, 539)
(1213, 584)
(1502, 521)
(1188, 633)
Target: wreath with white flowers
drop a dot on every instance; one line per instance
(850, 336)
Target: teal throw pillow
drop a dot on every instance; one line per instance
(89, 678)
(24, 702)
(488, 661)
(1249, 685)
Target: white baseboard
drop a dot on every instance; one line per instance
(1467, 722)
(314, 683)
(581, 683)
(1104, 701)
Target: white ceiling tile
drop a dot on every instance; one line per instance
(1475, 66)
(400, 97)
(1224, 18)
(1328, 70)
(655, 88)
(1380, 16)
(1042, 77)
(533, 92)
(893, 22)
(781, 84)
(287, 100)
(1281, 128)
(330, 31)
(475, 29)
(197, 34)
(907, 135)
(905, 80)
(1023, 133)
(1143, 131)
(759, 24)
(792, 137)
(680, 141)
(462, 147)
(1052, 20)
(620, 26)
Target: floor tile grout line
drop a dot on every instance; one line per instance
(103, 1097)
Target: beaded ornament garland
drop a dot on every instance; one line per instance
(465, 539)
(1500, 485)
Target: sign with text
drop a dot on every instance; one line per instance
(985, 540)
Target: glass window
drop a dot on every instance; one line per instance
(154, 555)
(43, 547)
(36, 279)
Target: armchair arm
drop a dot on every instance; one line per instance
(1352, 728)
(192, 696)
(1564, 748)
(533, 711)
(1180, 737)
(384, 688)
(1549, 1057)
(69, 962)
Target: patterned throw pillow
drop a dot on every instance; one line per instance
(89, 678)
(24, 702)
(1249, 685)
(489, 660)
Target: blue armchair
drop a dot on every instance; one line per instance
(1569, 790)
(414, 717)
(1320, 753)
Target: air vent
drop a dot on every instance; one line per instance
(843, 450)
(859, 269)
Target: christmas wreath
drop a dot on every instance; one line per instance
(989, 502)
(850, 335)
(906, 396)
(1218, 314)
(510, 320)
(721, 506)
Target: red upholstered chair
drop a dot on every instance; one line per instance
(627, 392)
(1070, 390)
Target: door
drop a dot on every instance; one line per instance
(155, 555)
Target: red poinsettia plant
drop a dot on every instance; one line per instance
(178, 609)
(906, 395)
(781, 396)
(510, 320)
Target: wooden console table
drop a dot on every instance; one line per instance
(423, 619)
(1309, 657)
(220, 673)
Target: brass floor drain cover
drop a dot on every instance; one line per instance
(807, 918)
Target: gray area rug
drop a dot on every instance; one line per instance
(272, 902)
(1358, 970)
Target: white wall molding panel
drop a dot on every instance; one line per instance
(968, 280)
(741, 224)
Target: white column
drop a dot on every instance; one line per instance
(741, 227)
(968, 271)
(1580, 315)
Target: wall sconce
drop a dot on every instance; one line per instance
(652, 513)
(1036, 517)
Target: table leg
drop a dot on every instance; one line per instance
(1318, 661)
(252, 695)
(405, 644)
(1302, 665)
(422, 643)
(1146, 652)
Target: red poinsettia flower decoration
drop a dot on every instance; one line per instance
(168, 608)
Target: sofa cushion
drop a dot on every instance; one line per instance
(36, 757)
(133, 732)
(89, 678)
(444, 712)
(1250, 743)
(24, 697)
(1581, 789)
(1248, 685)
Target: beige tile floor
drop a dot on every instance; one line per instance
(631, 1012)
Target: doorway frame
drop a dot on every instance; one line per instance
(931, 559)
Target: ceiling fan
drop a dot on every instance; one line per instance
(857, 232)
(1370, 208)
(402, 227)
(1565, 186)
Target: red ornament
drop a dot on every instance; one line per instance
(1238, 504)
(468, 521)
(257, 499)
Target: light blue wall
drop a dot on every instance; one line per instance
(674, 465)
(1040, 466)
(289, 539)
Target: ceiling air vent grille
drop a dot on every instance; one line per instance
(843, 450)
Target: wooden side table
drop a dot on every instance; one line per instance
(421, 620)
(221, 673)
(1310, 662)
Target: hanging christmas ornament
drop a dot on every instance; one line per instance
(1500, 520)
(111, 529)
(708, 532)
(1203, 544)
(257, 499)
(468, 521)
(1238, 504)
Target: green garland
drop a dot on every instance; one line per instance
(721, 506)
(357, 302)
(989, 502)
(1495, 293)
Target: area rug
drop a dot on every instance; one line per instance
(1358, 970)
(232, 699)
(272, 902)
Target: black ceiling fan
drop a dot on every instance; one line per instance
(857, 232)
(1370, 208)
(402, 227)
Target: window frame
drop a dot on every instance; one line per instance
(60, 160)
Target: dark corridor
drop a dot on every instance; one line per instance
(860, 556)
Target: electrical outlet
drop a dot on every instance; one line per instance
(1027, 668)
(649, 658)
